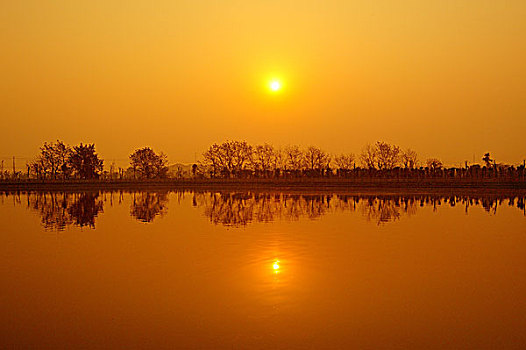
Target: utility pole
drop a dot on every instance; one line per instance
(2, 173)
(14, 171)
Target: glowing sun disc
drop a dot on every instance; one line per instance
(275, 85)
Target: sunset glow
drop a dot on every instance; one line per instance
(263, 174)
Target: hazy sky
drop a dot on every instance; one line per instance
(446, 78)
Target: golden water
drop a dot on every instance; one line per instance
(262, 271)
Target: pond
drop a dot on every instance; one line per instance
(262, 270)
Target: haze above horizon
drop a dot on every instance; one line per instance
(445, 78)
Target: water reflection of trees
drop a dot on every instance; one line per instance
(60, 210)
(147, 205)
(235, 209)
(239, 209)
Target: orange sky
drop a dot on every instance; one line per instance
(446, 78)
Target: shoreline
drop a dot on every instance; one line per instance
(294, 185)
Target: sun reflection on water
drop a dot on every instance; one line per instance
(276, 266)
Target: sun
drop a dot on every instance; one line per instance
(275, 85)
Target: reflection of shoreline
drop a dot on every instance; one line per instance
(285, 184)
(147, 205)
(59, 210)
(239, 209)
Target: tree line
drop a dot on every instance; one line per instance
(59, 161)
(239, 159)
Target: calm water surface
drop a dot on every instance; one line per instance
(262, 271)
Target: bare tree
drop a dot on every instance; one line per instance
(345, 161)
(47, 159)
(39, 167)
(409, 159)
(279, 159)
(295, 159)
(53, 160)
(263, 158)
(230, 157)
(316, 158)
(241, 154)
(63, 152)
(368, 157)
(214, 160)
(387, 156)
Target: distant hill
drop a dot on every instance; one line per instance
(184, 170)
